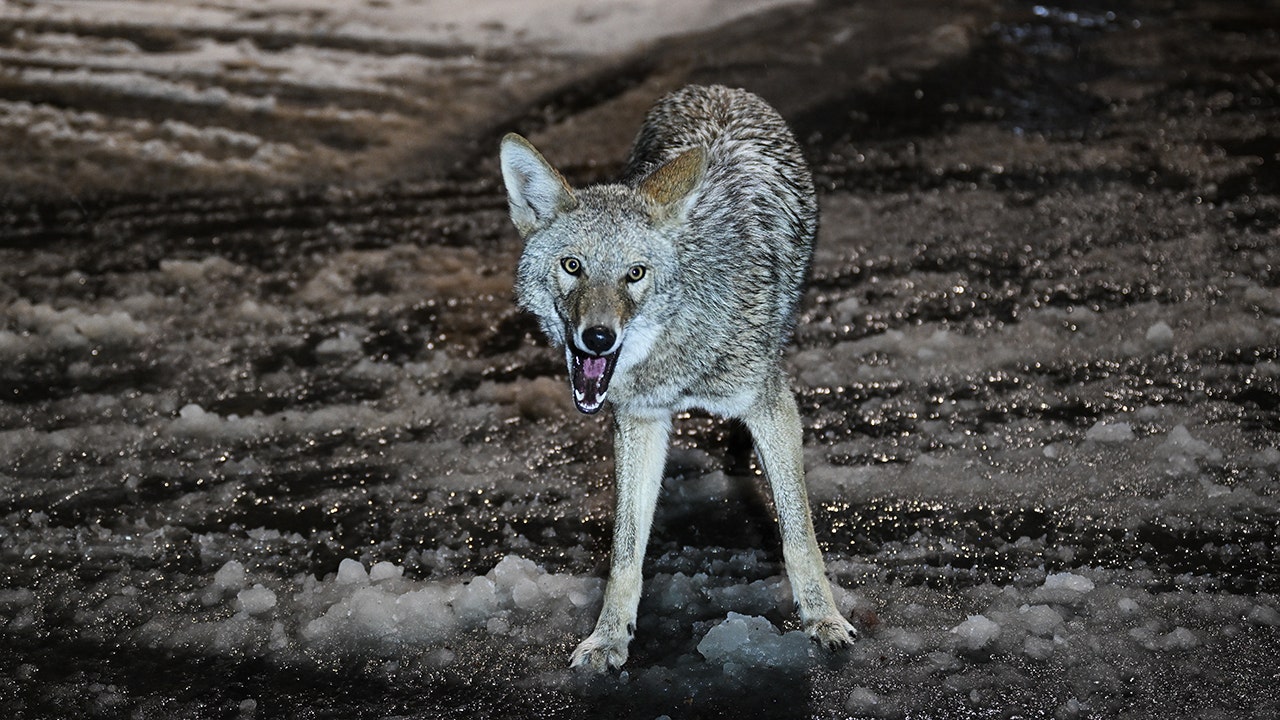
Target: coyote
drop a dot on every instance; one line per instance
(676, 288)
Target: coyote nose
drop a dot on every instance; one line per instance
(598, 339)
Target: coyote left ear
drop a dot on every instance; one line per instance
(669, 188)
(536, 192)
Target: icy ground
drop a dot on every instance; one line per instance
(287, 450)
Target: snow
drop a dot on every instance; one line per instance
(300, 449)
(40, 326)
(580, 26)
(143, 87)
(239, 81)
(355, 611)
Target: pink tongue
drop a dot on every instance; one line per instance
(593, 368)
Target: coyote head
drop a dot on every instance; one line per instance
(599, 264)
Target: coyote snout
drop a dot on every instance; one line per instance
(672, 289)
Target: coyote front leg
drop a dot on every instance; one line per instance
(640, 451)
(774, 423)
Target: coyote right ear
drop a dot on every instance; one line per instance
(670, 188)
(535, 191)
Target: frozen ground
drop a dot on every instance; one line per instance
(277, 444)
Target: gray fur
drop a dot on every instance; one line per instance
(717, 206)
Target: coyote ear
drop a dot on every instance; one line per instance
(669, 188)
(535, 191)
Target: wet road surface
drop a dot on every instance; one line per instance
(1040, 342)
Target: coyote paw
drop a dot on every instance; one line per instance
(832, 633)
(600, 653)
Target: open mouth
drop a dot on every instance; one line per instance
(589, 376)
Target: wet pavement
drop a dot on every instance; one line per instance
(1037, 366)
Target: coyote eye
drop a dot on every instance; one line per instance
(571, 265)
(636, 273)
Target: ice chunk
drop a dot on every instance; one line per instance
(425, 614)
(1039, 619)
(193, 272)
(511, 569)
(730, 636)
(261, 312)
(73, 328)
(1037, 648)
(1109, 432)
(847, 309)
(581, 598)
(1263, 615)
(976, 632)
(1213, 489)
(680, 591)
(1180, 441)
(368, 613)
(344, 344)
(908, 641)
(863, 701)
(1063, 588)
(475, 601)
(1263, 298)
(1070, 709)
(1068, 581)
(526, 595)
(1160, 335)
(385, 571)
(1180, 638)
(256, 600)
(753, 641)
(1180, 451)
(514, 575)
(936, 346)
(1266, 457)
(194, 421)
(351, 572)
(942, 661)
(231, 576)
(19, 598)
